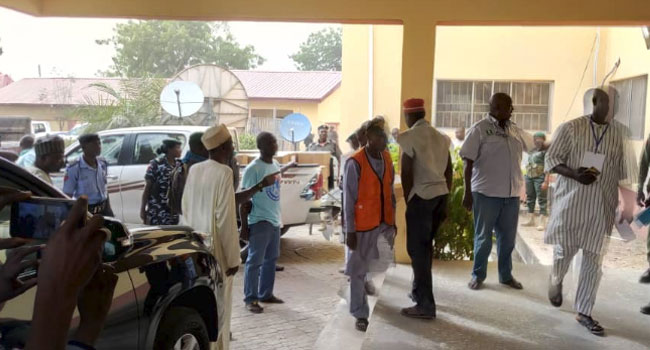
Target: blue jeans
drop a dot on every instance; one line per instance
(263, 252)
(501, 216)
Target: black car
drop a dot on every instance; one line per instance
(169, 292)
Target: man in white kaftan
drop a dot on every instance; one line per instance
(209, 207)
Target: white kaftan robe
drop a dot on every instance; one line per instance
(583, 215)
(209, 206)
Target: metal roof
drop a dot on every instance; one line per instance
(289, 85)
(313, 86)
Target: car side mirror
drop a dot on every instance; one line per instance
(119, 242)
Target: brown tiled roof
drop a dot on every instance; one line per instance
(259, 85)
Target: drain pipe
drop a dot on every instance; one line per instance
(371, 72)
(596, 53)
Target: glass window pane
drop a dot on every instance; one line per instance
(146, 146)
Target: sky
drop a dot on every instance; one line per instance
(65, 47)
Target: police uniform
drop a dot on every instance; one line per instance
(82, 179)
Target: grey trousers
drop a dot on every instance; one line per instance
(358, 298)
(590, 274)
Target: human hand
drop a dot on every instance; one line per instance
(468, 201)
(10, 195)
(10, 286)
(351, 240)
(231, 271)
(640, 199)
(73, 254)
(270, 179)
(544, 186)
(585, 176)
(94, 303)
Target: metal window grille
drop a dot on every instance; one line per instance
(463, 103)
(629, 104)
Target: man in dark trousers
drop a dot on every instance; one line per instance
(426, 180)
(88, 176)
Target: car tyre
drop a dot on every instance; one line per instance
(180, 328)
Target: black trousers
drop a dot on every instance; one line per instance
(103, 208)
(423, 218)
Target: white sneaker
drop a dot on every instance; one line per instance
(542, 223)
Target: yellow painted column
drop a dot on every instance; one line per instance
(417, 82)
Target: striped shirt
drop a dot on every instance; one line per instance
(583, 215)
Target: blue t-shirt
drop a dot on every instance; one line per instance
(266, 204)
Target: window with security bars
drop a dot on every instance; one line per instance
(462, 103)
(629, 104)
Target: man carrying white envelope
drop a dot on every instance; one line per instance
(588, 155)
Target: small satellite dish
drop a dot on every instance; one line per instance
(181, 98)
(295, 127)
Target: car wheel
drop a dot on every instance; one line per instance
(182, 328)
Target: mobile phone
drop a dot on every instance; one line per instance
(36, 219)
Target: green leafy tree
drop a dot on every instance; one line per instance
(134, 103)
(163, 48)
(247, 141)
(321, 51)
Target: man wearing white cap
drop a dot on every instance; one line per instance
(49, 157)
(208, 205)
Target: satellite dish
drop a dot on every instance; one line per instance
(295, 127)
(225, 100)
(181, 98)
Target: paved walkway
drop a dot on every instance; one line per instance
(498, 317)
(309, 286)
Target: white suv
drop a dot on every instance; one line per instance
(129, 151)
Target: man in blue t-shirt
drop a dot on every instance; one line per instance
(264, 223)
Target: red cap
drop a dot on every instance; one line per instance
(414, 105)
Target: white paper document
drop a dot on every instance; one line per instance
(592, 159)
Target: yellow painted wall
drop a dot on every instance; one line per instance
(329, 110)
(354, 83)
(387, 41)
(557, 54)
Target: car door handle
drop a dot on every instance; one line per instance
(112, 177)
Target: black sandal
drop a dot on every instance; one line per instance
(592, 325)
(361, 324)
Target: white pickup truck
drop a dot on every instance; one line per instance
(128, 152)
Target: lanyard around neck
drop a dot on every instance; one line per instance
(597, 139)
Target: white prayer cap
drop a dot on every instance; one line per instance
(215, 136)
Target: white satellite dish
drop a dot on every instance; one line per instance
(226, 100)
(182, 98)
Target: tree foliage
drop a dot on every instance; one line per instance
(163, 48)
(134, 103)
(321, 51)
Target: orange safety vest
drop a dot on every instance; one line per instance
(374, 201)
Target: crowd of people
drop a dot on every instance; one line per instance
(201, 190)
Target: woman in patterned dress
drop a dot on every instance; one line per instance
(155, 201)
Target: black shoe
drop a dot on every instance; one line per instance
(279, 268)
(361, 324)
(646, 310)
(254, 307)
(513, 283)
(272, 300)
(645, 278)
(417, 312)
(475, 284)
(554, 293)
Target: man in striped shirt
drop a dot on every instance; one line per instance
(588, 155)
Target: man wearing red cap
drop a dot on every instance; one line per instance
(426, 179)
(492, 154)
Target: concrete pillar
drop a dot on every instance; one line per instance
(417, 62)
(417, 81)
